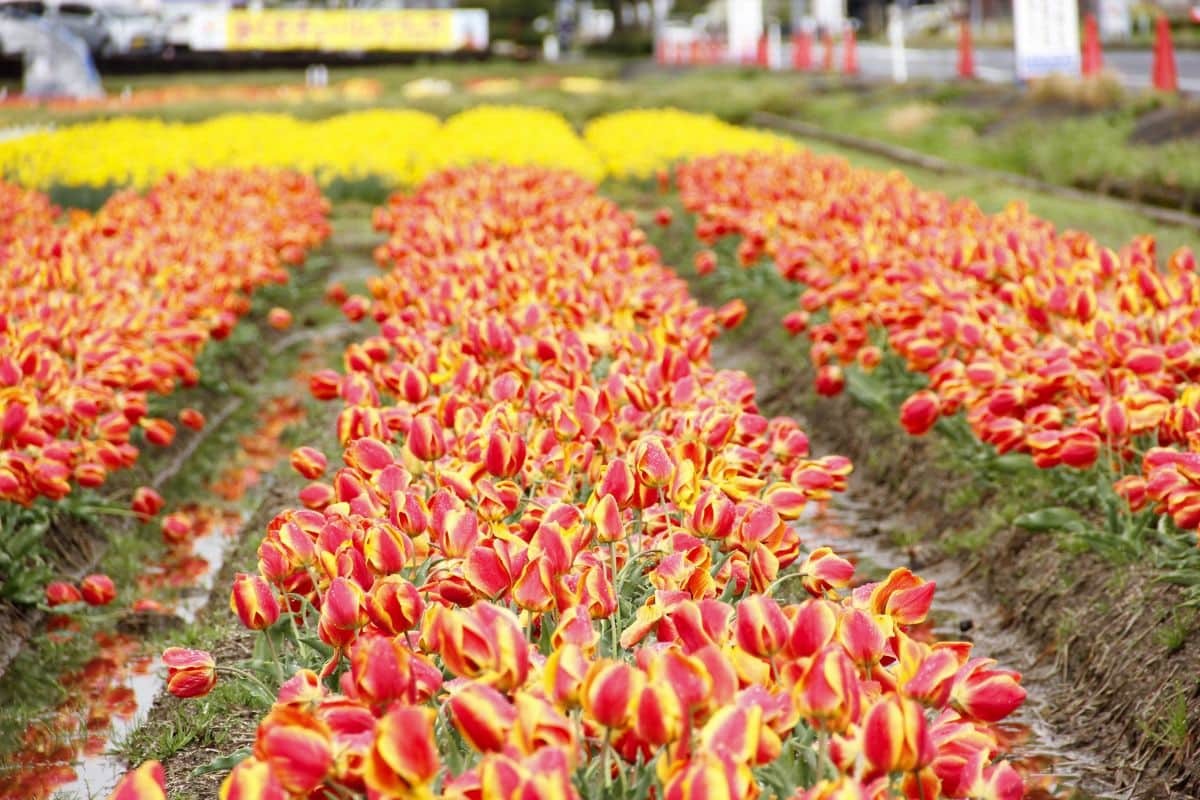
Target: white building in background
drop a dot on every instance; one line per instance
(744, 24)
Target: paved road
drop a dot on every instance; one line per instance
(996, 64)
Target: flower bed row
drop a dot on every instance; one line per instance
(563, 557)
(101, 311)
(396, 146)
(1050, 344)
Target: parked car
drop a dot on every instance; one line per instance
(106, 30)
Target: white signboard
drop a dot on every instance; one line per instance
(1115, 20)
(337, 30)
(1047, 37)
(745, 23)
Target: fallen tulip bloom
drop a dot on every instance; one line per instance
(190, 673)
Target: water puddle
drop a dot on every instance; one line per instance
(1053, 766)
(66, 752)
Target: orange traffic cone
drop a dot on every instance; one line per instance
(827, 56)
(1093, 58)
(1166, 79)
(850, 52)
(801, 50)
(966, 52)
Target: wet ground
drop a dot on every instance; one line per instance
(1054, 766)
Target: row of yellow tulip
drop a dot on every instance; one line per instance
(395, 145)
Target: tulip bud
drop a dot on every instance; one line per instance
(813, 627)
(309, 462)
(482, 715)
(505, 454)
(606, 516)
(761, 628)
(297, 746)
(824, 571)
(279, 318)
(563, 674)
(146, 503)
(394, 605)
(90, 474)
(919, 412)
(829, 692)
(252, 780)
(610, 692)
(342, 613)
(404, 758)
(317, 495)
(147, 782)
(732, 313)
(658, 715)
(191, 418)
(426, 439)
(618, 481)
(324, 384)
(335, 293)
(190, 673)
(59, 593)
(862, 637)
(253, 601)
(652, 463)
(356, 307)
(98, 590)
(869, 358)
(705, 262)
(176, 528)
(158, 431)
(713, 516)
(830, 380)
(986, 694)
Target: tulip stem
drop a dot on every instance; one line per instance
(638, 526)
(246, 675)
(616, 617)
(822, 752)
(113, 511)
(607, 763)
(277, 664)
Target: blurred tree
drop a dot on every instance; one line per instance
(615, 7)
(686, 8)
(513, 19)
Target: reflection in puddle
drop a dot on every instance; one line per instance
(103, 695)
(66, 752)
(1050, 765)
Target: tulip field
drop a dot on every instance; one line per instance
(1050, 344)
(539, 544)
